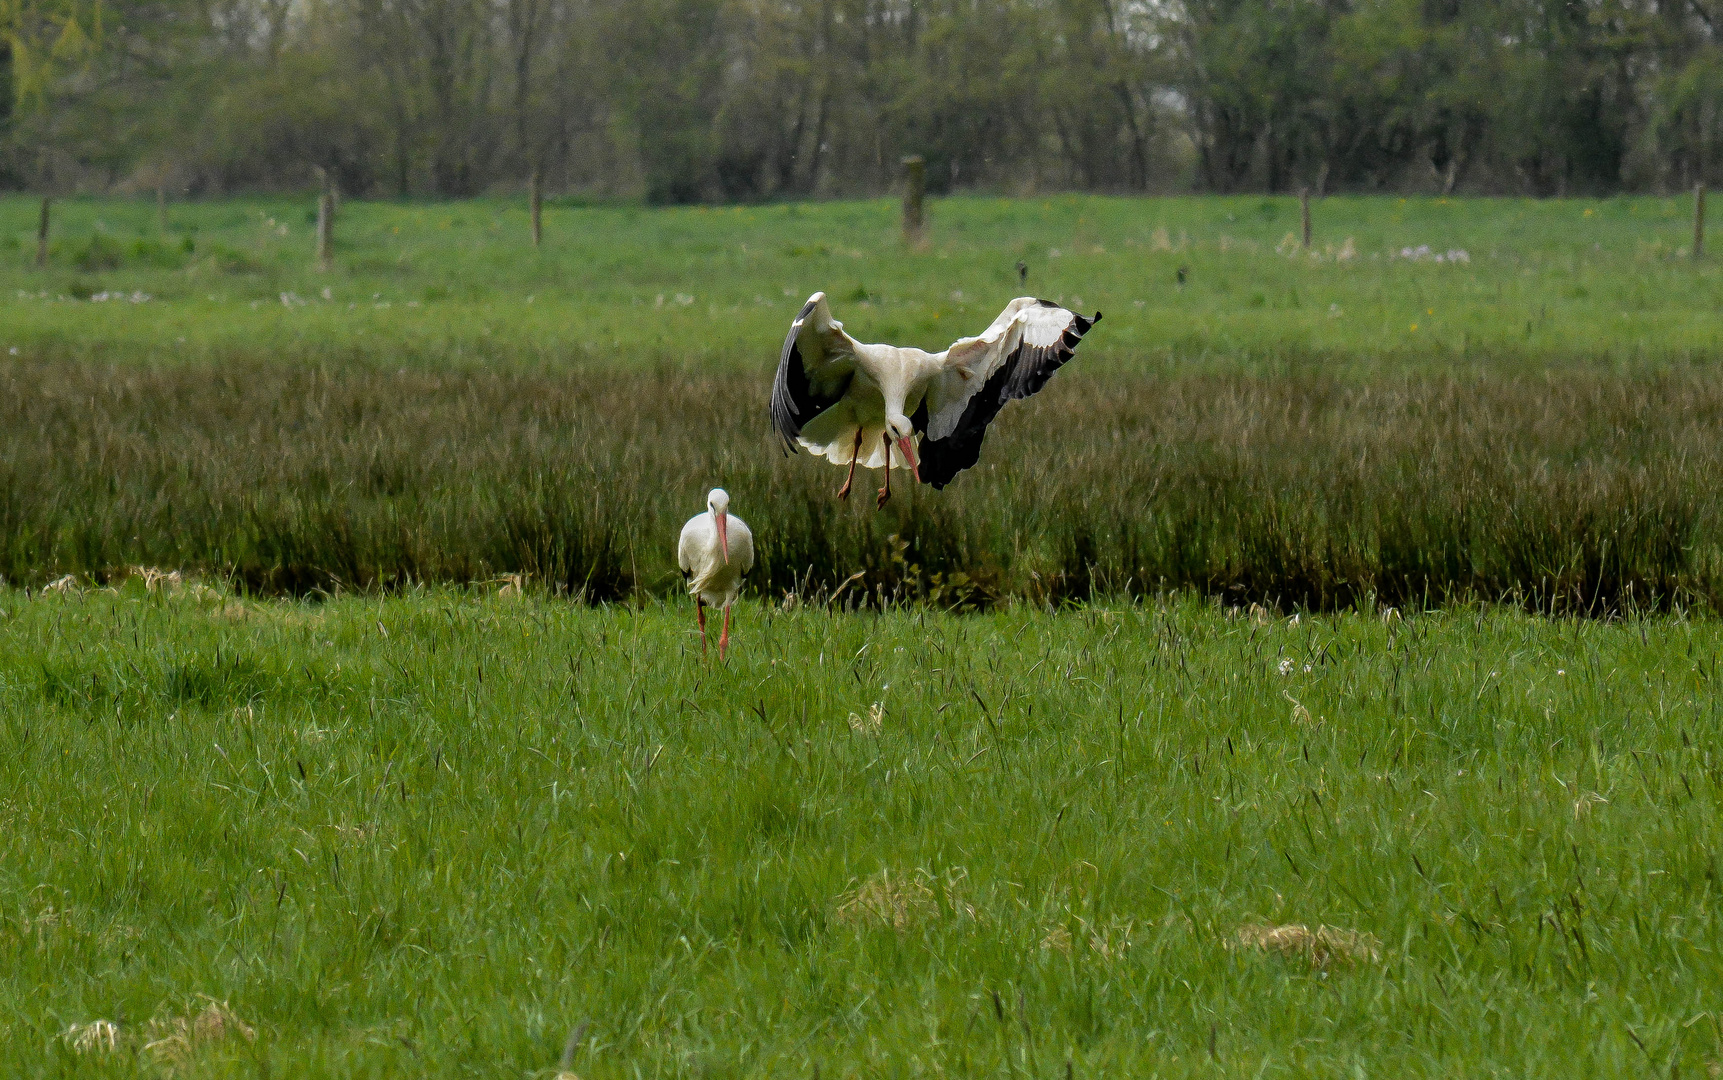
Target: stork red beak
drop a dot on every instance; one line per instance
(908, 449)
(724, 535)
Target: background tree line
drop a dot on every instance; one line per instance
(687, 100)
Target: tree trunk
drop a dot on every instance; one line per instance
(1698, 220)
(537, 198)
(42, 233)
(914, 189)
(326, 225)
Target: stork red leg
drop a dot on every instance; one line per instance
(724, 638)
(885, 492)
(855, 452)
(700, 610)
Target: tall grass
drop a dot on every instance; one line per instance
(448, 834)
(1585, 493)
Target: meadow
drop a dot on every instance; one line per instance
(1316, 679)
(1493, 399)
(1543, 283)
(479, 834)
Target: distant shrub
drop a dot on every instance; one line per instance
(148, 251)
(231, 261)
(101, 252)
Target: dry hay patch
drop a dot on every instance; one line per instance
(872, 722)
(159, 580)
(1107, 941)
(1319, 948)
(95, 1037)
(903, 902)
(171, 1039)
(47, 925)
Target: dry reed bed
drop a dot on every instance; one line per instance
(1579, 492)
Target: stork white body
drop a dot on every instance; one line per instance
(859, 404)
(715, 551)
(886, 380)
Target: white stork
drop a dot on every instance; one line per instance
(850, 402)
(716, 550)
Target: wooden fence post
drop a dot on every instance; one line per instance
(914, 188)
(326, 224)
(162, 207)
(537, 199)
(1699, 220)
(1304, 215)
(42, 233)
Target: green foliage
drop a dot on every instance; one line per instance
(445, 832)
(43, 40)
(685, 101)
(100, 252)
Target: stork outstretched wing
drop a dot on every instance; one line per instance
(1013, 358)
(814, 370)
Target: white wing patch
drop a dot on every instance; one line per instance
(971, 362)
(1029, 341)
(1043, 326)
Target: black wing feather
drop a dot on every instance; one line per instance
(794, 401)
(1023, 373)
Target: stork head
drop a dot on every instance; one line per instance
(903, 433)
(718, 503)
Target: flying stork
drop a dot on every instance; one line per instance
(850, 402)
(716, 550)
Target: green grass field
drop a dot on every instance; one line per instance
(1547, 283)
(1332, 698)
(441, 833)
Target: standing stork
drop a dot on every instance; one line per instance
(716, 550)
(865, 404)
